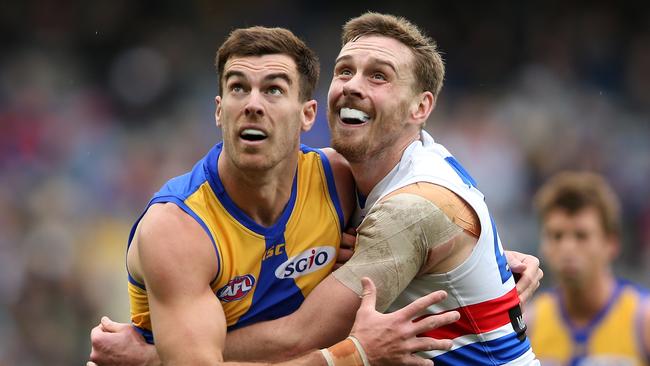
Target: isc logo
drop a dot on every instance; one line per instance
(308, 261)
(236, 288)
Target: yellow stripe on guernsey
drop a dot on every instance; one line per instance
(612, 338)
(264, 273)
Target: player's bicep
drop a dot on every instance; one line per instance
(393, 243)
(187, 320)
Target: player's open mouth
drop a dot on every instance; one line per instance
(251, 134)
(351, 116)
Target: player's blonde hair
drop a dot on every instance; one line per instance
(260, 41)
(574, 191)
(428, 67)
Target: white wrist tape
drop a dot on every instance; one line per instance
(360, 349)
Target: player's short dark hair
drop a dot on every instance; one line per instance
(428, 66)
(574, 191)
(260, 41)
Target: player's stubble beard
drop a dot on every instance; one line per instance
(380, 137)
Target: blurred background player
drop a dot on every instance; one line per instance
(591, 317)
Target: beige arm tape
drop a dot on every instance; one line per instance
(348, 352)
(392, 244)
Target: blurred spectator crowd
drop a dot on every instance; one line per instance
(102, 102)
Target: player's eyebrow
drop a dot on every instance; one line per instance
(278, 75)
(372, 60)
(384, 62)
(342, 58)
(233, 73)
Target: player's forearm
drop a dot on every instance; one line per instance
(275, 340)
(324, 318)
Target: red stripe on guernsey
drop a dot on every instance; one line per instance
(478, 318)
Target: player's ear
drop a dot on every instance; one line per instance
(613, 246)
(309, 110)
(217, 112)
(422, 107)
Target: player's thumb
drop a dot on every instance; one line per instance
(369, 294)
(108, 325)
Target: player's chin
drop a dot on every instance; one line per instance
(258, 161)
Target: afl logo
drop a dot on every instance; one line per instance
(306, 262)
(236, 288)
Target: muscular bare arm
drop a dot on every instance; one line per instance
(187, 319)
(176, 260)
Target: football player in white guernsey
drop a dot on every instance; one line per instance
(418, 230)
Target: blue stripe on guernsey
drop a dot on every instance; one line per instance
(273, 297)
(331, 183)
(495, 352)
(502, 261)
(146, 334)
(464, 174)
(183, 206)
(217, 186)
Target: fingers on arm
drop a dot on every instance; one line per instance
(529, 271)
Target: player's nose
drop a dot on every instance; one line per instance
(254, 104)
(354, 87)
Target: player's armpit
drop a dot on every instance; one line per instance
(393, 244)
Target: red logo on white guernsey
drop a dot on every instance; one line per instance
(236, 288)
(309, 261)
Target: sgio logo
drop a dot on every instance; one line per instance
(236, 288)
(309, 261)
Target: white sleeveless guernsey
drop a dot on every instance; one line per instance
(491, 330)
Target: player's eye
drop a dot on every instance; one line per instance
(275, 90)
(343, 72)
(555, 236)
(236, 88)
(581, 235)
(379, 76)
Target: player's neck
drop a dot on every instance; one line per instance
(369, 172)
(584, 302)
(263, 194)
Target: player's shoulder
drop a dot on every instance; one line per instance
(169, 239)
(633, 286)
(335, 158)
(167, 224)
(453, 206)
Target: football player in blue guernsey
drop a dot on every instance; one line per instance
(263, 253)
(591, 317)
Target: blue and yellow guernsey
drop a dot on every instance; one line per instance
(264, 272)
(613, 337)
